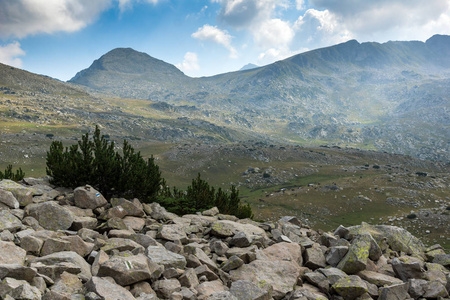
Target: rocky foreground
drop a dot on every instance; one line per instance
(57, 243)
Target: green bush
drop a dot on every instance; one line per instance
(95, 162)
(9, 174)
(201, 196)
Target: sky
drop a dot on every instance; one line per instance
(58, 38)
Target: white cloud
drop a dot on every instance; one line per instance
(20, 18)
(273, 32)
(243, 13)
(128, 4)
(190, 62)
(389, 19)
(274, 54)
(300, 4)
(320, 28)
(216, 35)
(9, 54)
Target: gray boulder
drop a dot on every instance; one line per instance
(108, 290)
(51, 215)
(88, 197)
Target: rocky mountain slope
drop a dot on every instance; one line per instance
(58, 243)
(392, 96)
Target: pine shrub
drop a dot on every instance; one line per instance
(95, 162)
(9, 174)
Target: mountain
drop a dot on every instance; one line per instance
(392, 96)
(249, 67)
(128, 73)
(14, 78)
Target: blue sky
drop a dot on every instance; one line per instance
(201, 37)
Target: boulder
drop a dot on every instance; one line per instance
(107, 289)
(165, 288)
(397, 238)
(282, 275)
(8, 221)
(166, 258)
(7, 199)
(88, 197)
(55, 264)
(394, 292)
(314, 257)
(226, 228)
(208, 288)
(378, 279)
(17, 271)
(246, 290)
(129, 269)
(11, 254)
(121, 244)
(22, 193)
(356, 258)
(285, 252)
(129, 207)
(171, 233)
(52, 216)
(350, 287)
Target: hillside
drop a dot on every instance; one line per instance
(392, 97)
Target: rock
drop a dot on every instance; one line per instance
(67, 285)
(55, 264)
(442, 259)
(162, 256)
(17, 271)
(350, 287)
(31, 244)
(219, 247)
(281, 275)
(189, 279)
(225, 228)
(240, 240)
(225, 295)
(88, 197)
(134, 223)
(318, 279)
(52, 216)
(53, 245)
(142, 287)
(232, 263)
(416, 287)
(171, 233)
(394, 292)
(356, 258)
(129, 207)
(108, 290)
(22, 193)
(164, 288)
(211, 212)
(285, 252)
(246, 254)
(314, 257)
(335, 255)
(208, 288)
(7, 199)
(246, 290)
(397, 238)
(407, 267)
(205, 271)
(18, 289)
(332, 274)
(378, 279)
(9, 222)
(129, 269)
(78, 245)
(435, 289)
(121, 244)
(11, 254)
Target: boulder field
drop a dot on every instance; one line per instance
(58, 243)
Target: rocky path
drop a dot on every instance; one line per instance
(57, 243)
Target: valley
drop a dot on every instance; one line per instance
(340, 135)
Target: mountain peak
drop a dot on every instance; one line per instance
(249, 67)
